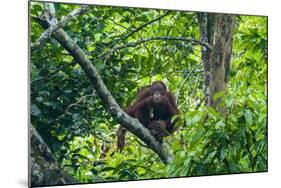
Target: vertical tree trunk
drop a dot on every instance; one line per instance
(216, 29)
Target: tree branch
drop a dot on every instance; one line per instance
(47, 33)
(116, 23)
(144, 25)
(52, 74)
(120, 38)
(165, 38)
(77, 103)
(131, 124)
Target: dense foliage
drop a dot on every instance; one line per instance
(81, 133)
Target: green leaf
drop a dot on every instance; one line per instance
(187, 162)
(197, 136)
(228, 101)
(220, 123)
(223, 152)
(171, 168)
(219, 95)
(249, 117)
(195, 119)
(109, 168)
(35, 111)
(76, 116)
(182, 154)
(210, 157)
(142, 18)
(184, 171)
(100, 27)
(40, 99)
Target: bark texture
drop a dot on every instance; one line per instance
(44, 170)
(217, 30)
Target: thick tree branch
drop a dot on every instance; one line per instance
(47, 33)
(132, 125)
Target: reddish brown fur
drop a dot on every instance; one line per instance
(164, 107)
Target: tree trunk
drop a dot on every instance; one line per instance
(217, 30)
(44, 170)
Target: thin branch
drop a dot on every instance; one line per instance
(47, 33)
(116, 23)
(102, 138)
(164, 38)
(193, 90)
(77, 103)
(106, 55)
(52, 74)
(144, 25)
(190, 23)
(131, 124)
(182, 71)
(168, 73)
(120, 38)
(186, 78)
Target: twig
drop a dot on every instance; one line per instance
(190, 23)
(120, 38)
(102, 139)
(116, 23)
(182, 71)
(165, 38)
(186, 78)
(106, 55)
(81, 99)
(144, 25)
(52, 74)
(187, 98)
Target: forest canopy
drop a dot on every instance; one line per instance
(88, 63)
